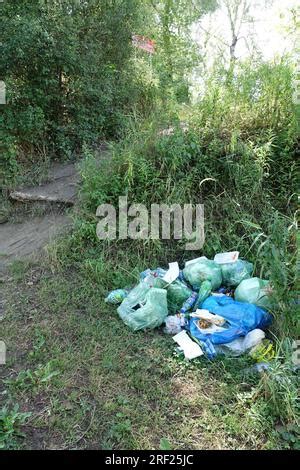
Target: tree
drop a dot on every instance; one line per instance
(66, 65)
(176, 51)
(236, 21)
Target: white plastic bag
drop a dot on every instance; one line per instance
(224, 258)
(173, 325)
(241, 345)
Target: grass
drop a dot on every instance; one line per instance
(86, 379)
(89, 382)
(10, 422)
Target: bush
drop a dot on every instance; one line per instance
(68, 73)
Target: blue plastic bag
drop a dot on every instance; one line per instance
(241, 318)
(244, 315)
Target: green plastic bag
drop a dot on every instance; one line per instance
(234, 273)
(177, 293)
(145, 307)
(203, 270)
(254, 291)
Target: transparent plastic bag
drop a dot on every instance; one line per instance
(242, 345)
(234, 273)
(145, 307)
(173, 325)
(255, 291)
(203, 270)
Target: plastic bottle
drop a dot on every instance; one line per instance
(189, 303)
(117, 296)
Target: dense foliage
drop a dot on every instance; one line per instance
(68, 74)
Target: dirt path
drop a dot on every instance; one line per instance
(26, 238)
(62, 187)
(22, 240)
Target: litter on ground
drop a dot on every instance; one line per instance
(211, 307)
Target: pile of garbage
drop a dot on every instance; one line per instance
(211, 306)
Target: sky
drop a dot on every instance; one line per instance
(267, 29)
